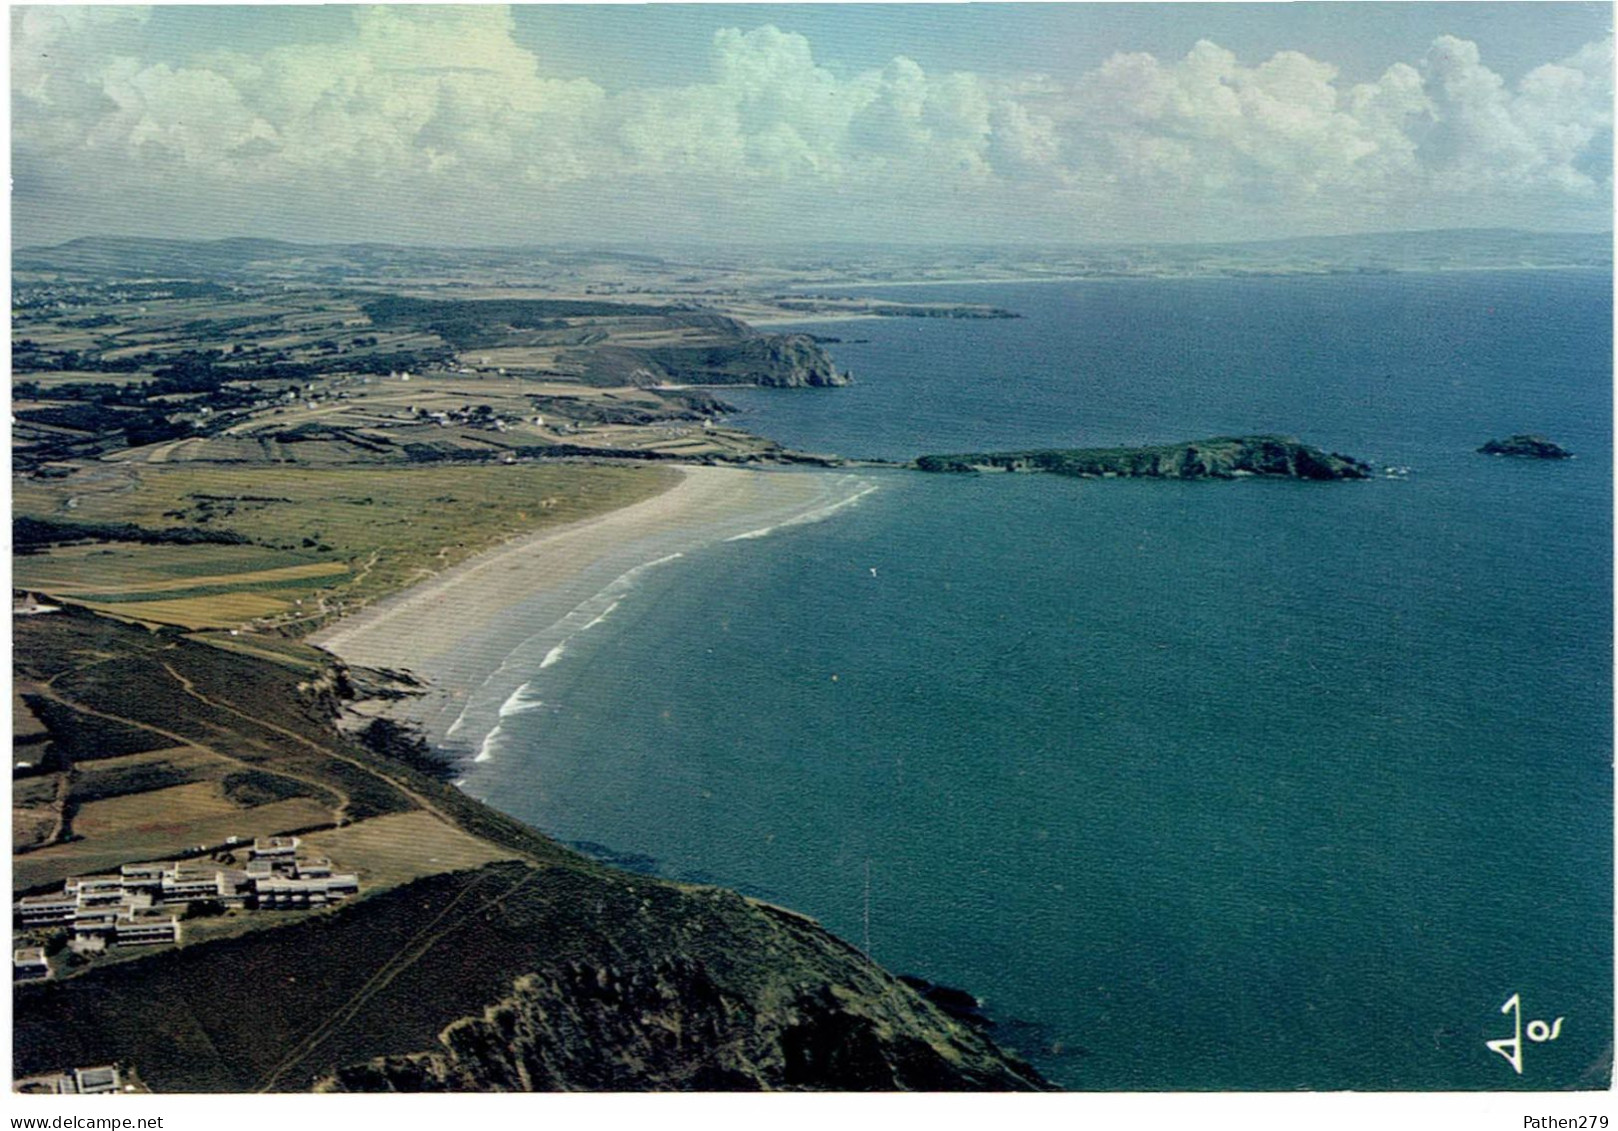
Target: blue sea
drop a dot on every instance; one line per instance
(1247, 785)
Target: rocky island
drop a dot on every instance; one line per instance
(1223, 457)
(1525, 446)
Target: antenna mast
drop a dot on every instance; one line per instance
(867, 934)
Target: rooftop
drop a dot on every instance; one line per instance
(275, 843)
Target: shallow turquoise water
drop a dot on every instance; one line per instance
(1248, 785)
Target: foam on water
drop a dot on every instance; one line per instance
(605, 613)
(555, 638)
(519, 702)
(817, 515)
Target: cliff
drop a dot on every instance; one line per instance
(787, 361)
(515, 964)
(769, 1002)
(1224, 457)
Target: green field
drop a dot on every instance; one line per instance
(322, 541)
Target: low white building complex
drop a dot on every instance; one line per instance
(132, 907)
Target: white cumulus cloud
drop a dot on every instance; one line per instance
(420, 105)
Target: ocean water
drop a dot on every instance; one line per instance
(1252, 785)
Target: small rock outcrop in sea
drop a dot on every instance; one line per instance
(1223, 457)
(1526, 447)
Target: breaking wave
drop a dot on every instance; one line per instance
(807, 517)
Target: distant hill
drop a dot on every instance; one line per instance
(244, 258)
(138, 256)
(240, 259)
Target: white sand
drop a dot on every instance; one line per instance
(478, 631)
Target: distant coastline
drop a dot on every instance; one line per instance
(1129, 276)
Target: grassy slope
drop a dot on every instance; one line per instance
(627, 982)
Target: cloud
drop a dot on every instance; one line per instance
(1209, 124)
(1481, 133)
(421, 105)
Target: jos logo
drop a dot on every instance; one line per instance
(1538, 1031)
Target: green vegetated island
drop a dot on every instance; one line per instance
(1223, 457)
(226, 881)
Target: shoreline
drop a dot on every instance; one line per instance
(1162, 276)
(475, 635)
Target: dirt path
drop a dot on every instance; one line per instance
(339, 815)
(421, 801)
(59, 830)
(414, 949)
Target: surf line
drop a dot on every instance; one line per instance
(581, 618)
(592, 612)
(807, 517)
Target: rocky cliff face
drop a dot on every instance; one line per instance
(673, 1027)
(788, 361)
(1224, 457)
(804, 1011)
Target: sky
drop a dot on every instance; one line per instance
(760, 123)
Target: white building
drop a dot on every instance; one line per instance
(146, 930)
(29, 964)
(274, 848)
(43, 910)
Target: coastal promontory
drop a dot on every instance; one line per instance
(1223, 457)
(475, 955)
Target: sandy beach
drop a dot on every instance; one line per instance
(476, 633)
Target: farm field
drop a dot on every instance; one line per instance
(157, 826)
(392, 850)
(35, 806)
(319, 542)
(73, 571)
(153, 804)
